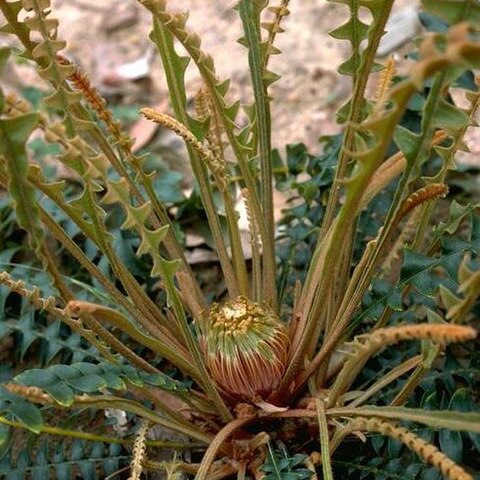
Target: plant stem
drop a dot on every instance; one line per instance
(163, 39)
(356, 107)
(324, 440)
(362, 275)
(250, 16)
(388, 378)
(217, 442)
(92, 437)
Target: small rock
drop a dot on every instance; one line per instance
(200, 255)
(193, 240)
(401, 27)
(121, 427)
(137, 69)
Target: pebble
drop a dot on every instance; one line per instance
(401, 27)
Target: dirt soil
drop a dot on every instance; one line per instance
(109, 39)
(103, 35)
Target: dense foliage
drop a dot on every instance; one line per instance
(310, 346)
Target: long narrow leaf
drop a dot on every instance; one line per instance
(460, 421)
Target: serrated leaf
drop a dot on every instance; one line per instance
(407, 142)
(270, 77)
(53, 460)
(415, 271)
(456, 214)
(355, 31)
(450, 118)
(114, 381)
(132, 375)
(63, 381)
(280, 466)
(353, 28)
(14, 133)
(351, 65)
(162, 381)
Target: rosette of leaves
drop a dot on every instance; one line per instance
(248, 368)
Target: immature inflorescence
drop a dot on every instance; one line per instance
(245, 347)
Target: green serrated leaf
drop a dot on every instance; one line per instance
(450, 118)
(162, 381)
(281, 466)
(456, 215)
(407, 142)
(346, 31)
(132, 375)
(415, 270)
(355, 31)
(14, 133)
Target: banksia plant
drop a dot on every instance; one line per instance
(281, 355)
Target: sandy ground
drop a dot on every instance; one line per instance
(305, 98)
(106, 36)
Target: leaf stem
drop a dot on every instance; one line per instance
(324, 440)
(250, 16)
(92, 437)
